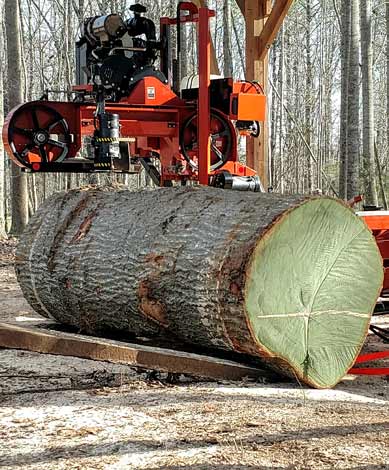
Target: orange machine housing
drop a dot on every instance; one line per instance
(378, 222)
(248, 102)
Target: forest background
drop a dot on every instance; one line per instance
(328, 91)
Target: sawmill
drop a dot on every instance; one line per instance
(210, 257)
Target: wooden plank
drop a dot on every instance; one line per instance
(147, 357)
(241, 5)
(272, 26)
(263, 10)
(257, 69)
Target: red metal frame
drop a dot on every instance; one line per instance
(378, 223)
(370, 357)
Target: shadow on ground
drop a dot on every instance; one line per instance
(134, 446)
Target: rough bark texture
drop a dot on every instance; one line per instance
(228, 63)
(182, 260)
(345, 62)
(353, 118)
(308, 94)
(2, 162)
(387, 70)
(368, 160)
(15, 97)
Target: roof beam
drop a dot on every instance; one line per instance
(272, 26)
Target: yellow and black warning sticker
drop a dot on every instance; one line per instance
(102, 165)
(106, 139)
(115, 139)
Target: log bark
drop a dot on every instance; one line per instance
(290, 280)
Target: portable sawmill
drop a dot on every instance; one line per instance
(289, 280)
(127, 113)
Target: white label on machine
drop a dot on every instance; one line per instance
(373, 213)
(151, 93)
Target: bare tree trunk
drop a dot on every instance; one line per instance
(353, 121)
(68, 45)
(308, 94)
(368, 166)
(380, 178)
(2, 162)
(345, 54)
(15, 97)
(387, 72)
(184, 51)
(272, 121)
(238, 45)
(227, 66)
(282, 104)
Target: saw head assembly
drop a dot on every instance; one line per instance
(128, 114)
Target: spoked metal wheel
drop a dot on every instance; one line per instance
(221, 140)
(37, 133)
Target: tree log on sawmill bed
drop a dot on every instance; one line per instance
(291, 280)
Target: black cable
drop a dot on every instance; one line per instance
(256, 85)
(382, 333)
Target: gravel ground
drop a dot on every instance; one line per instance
(67, 413)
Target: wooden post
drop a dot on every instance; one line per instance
(256, 12)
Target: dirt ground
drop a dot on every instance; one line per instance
(67, 413)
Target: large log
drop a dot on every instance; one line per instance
(291, 280)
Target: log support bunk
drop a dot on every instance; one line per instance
(44, 339)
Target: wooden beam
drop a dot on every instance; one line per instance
(255, 14)
(241, 5)
(146, 357)
(272, 26)
(263, 21)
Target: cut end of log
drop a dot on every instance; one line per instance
(311, 286)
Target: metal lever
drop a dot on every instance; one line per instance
(128, 49)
